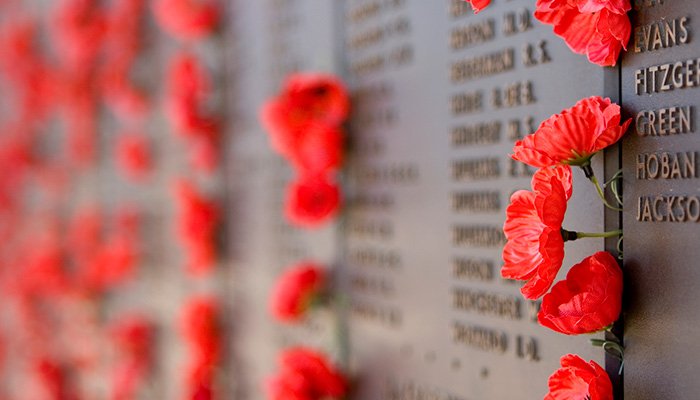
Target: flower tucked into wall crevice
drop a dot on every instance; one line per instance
(201, 327)
(535, 248)
(588, 300)
(600, 29)
(189, 88)
(574, 135)
(304, 126)
(577, 379)
(306, 374)
(197, 221)
(296, 291)
(311, 201)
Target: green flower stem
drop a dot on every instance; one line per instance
(580, 235)
(601, 194)
(588, 171)
(613, 348)
(571, 235)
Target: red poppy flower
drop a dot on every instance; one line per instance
(202, 330)
(188, 88)
(588, 300)
(478, 5)
(573, 136)
(197, 221)
(134, 156)
(311, 201)
(306, 375)
(200, 327)
(579, 380)
(598, 28)
(535, 248)
(295, 290)
(305, 99)
(187, 19)
(318, 150)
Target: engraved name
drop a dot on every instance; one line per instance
(472, 34)
(480, 338)
(384, 315)
(374, 258)
(664, 121)
(364, 11)
(371, 228)
(467, 103)
(470, 269)
(484, 133)
(395, 174)
(478, 236)
(478, 201)
(372, 285)
(474, 169)
(513, 95)
(661, 34)
(487, 303)
(667, 77)
(367, 201)
(483, 66)
(413, 391)
(666, 165)
(668, 209)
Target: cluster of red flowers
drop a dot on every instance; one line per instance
(600, 29)
(590, 298)
(306, 374)
(304, 124)
(201, 328)
(133, 336)
(89, 259)
(295, 291)
(188, 91)
(188, 88)
(59, 261)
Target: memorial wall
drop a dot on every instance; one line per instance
(413, 304)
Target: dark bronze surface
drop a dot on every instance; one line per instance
(662, 320)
